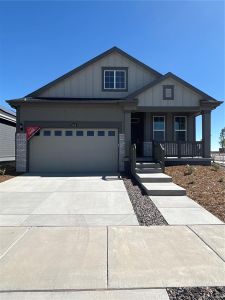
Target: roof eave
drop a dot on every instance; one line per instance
(17, 102)
(210, 104)
(12, 120)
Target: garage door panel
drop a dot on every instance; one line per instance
(74, 153)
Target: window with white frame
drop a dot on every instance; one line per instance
(115, 79)
(180, 128)
(158, 128)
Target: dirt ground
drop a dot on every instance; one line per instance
(204, 184)
(7, 172)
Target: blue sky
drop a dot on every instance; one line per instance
(41, 40)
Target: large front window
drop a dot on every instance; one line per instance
(159, 128)
(180, 128)
(115, 79)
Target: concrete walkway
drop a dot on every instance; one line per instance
(182, 210)
(171, 199)
(138, 294)
(65, 201)
(121, 257)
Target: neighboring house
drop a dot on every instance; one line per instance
(7, 135)
(86, 120)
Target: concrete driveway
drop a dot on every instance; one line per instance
(60, 239)
(65, 201)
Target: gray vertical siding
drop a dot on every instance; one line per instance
(127, 130)
(169, 126)
(191, 128)
(183, 96)
(7, 142)
(148, 127)
(88, 82)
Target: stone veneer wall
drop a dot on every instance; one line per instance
(121, 151)
(21, 152)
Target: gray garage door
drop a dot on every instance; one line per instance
(74, 150)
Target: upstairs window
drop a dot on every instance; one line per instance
(168, 92)
(114, 79)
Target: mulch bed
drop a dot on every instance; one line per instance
(145, 210)
(197, 293)
(204, 184)
(9, 173)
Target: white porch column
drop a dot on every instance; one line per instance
(206, 133)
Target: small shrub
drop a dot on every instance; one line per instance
(2, 171)
(188, 170)
(221, 179)
(191, 182)
(214, 167)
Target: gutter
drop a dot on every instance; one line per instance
(7, 118)
(17, 102)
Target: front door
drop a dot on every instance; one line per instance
(137, 131)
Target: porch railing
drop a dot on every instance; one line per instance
(182, 149)
(159, 154)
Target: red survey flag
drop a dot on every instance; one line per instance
(30, 131)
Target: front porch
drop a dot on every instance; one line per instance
(175, 133)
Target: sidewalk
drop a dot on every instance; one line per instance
(121, 257)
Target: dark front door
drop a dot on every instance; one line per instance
(137, 131)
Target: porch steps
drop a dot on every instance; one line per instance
(163, 189)
(145, 159)
(153, 177)
(155, 182)
(147, 165)
(148, 170)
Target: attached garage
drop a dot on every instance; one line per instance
(74, 150)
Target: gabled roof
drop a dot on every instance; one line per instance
(88, 63)
(176, 78)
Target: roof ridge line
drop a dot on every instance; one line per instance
(175, 77)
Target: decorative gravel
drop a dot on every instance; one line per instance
(145, 210)
(197, 293)
(204, 184)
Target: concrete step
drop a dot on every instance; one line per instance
(163, 189)
(174, 202)
(153, 177)
(147, 165)
(148, 170)
(145, 159)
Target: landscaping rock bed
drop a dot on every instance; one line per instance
(204, 184)
(7, 171)
(145, 210)
(197, 293)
